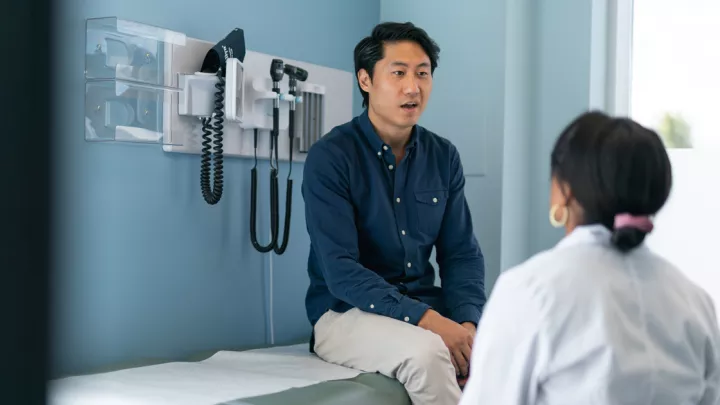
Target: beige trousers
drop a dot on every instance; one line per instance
(368, 342)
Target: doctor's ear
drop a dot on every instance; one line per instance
(566, 193)
(560, 193)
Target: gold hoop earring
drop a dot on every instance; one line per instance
(554, 222)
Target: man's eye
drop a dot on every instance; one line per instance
(398, 73)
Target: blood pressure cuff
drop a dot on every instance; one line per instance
(232, 46)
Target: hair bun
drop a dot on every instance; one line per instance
(627, 238)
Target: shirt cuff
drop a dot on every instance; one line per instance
(412, 310)
(466, 313)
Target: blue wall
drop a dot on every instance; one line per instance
(518, 130)
(143, 266)
(566, 58)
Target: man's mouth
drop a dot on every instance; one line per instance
(409, 106)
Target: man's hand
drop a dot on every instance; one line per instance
(457, 338)
(471, 327)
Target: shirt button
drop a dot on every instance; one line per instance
(403, 232)
(398, 199)
(372, 306)
(409, 264)
(379, 153)
(385, 147)
(390, 167)
(434, 200)
(407, 319)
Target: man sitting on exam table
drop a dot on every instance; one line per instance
(600, 318)
(380, 191)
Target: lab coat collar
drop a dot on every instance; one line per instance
(587, 234)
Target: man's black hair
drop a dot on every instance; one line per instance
(371, 48)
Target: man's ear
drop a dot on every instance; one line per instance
(364, 80)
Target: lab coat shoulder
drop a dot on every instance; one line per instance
(527, 278)
(561, 284)
(550, 263)
(692, 292)
(693, 296)
(539, 275)
(701, 308)
(524, 293)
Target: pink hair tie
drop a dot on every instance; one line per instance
(642, 222)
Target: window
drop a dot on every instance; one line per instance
(675, 79)
(665, 73)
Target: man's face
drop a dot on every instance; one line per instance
(401, 84)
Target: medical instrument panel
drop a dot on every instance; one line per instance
(217, 99)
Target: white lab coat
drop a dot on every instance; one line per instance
(583, 324)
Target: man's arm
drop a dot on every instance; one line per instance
(458, 254)
(331, 225)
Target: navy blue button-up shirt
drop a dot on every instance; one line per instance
(373, 224)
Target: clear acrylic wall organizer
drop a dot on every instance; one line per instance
(128, 81)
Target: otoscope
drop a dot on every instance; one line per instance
(295, 74)
(276, 74)
(277, 70)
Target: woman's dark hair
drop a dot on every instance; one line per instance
(371, 48)
(613, 166)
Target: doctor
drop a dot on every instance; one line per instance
(600, 318)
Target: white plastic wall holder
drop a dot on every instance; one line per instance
(258, 105)
(235, 91)
(196, 94)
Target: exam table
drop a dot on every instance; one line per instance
(267, 376)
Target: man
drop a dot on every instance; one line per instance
(380, 192)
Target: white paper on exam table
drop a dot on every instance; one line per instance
(223, 377)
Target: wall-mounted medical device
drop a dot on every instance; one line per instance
(217, 99)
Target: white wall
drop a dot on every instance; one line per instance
(686, 230)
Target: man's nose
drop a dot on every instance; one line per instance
(410, 85)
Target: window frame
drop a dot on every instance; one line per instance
(619, 57)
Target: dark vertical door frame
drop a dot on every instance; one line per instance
(26, 114)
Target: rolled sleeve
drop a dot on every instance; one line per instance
(413, 310)
(467, 313)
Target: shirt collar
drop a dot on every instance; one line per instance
(376, 143)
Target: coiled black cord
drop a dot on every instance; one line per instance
(288, 191)
(212, 196)
(274, 170)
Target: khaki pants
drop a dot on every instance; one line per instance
(368, 342)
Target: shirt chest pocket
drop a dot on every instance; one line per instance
(430, 207)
